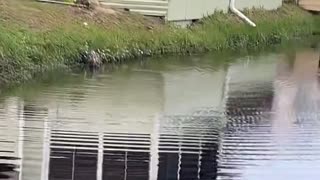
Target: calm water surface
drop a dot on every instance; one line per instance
(204, 117)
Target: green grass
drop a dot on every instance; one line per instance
(316, 24)
(28, 47)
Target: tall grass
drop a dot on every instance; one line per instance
(24, 52)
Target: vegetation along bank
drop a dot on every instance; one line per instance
(36, 37)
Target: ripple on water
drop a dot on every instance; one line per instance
(250, 120)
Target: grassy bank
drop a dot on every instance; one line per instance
(36, 37)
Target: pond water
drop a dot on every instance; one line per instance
(224, 117)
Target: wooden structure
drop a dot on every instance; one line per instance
(310, 5)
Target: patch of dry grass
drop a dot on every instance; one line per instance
(46, 17)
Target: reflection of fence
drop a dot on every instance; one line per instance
(184, 147)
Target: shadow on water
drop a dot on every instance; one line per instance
(7, 171)
(254, 117)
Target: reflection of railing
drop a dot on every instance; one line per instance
(186, 147)
(8, 171)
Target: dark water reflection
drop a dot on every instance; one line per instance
(189, 118)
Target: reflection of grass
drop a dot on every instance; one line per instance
(316, 19)
(35, 37)
(40, 83)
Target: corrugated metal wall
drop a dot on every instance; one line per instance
(145, 7)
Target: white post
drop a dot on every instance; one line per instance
(21, 123)
(100, 157)
(154, 150)
(46, 150)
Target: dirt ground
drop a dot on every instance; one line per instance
(44, 16)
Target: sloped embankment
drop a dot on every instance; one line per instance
(36, 37)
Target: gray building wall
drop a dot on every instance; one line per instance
(180, 10)
(266, 4)
(184, 10)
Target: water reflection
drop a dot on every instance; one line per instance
(7, 171)
(279, 139)
(256, 118)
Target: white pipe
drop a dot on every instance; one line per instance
(240, 14)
